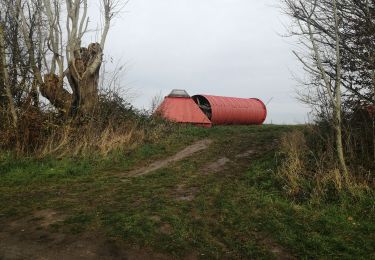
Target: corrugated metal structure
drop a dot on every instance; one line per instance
(232, 111)
(179, 107)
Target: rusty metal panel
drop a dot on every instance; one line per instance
(228, 110)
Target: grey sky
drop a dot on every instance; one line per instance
(220, 47)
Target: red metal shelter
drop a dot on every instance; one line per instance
(235, 111)
(180, 107)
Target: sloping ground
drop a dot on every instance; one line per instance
(186, 152)
(202, 193)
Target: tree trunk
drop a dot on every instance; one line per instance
(373, 115)
(2, 88)
(339, 144)
(89, 94)
(85, 94)
(83, 78)
(5, 79)
(54, 91)
(337, 102)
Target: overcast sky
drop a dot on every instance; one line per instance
(219, 47)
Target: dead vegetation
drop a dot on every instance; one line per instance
(309, 169)
(337, 153)
(116, 126)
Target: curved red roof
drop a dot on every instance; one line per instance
(229, 110)
(182, 110)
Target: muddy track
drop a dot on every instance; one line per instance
(187, 152)
(31, 237)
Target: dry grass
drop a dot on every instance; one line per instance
(88, 139)
(94, 137)
(309, 170)
(293, 147)
(114, 126)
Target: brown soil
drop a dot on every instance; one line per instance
(187, 152)
(31, 237)
(219, 165)
(48, 217)
(216, 166)
(279, 252)
(183, 193)
(246, 154)
(166, 229)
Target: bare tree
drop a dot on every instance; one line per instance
(5, 79)
(64, 56)
(318, 28)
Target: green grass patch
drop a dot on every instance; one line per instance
(239, 212)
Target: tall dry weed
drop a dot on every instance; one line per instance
(114, 126)
(293, 148)
(309, 170)
(89, 139)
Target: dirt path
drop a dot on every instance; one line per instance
(187, 152)
(31, 237)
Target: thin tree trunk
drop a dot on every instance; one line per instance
(335, 97)
(373, 115)
(337, 105)
(339, 144)
(4, 72)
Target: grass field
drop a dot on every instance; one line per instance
(223, 202)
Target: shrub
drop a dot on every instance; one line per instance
(309, 170)
(115, 125)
